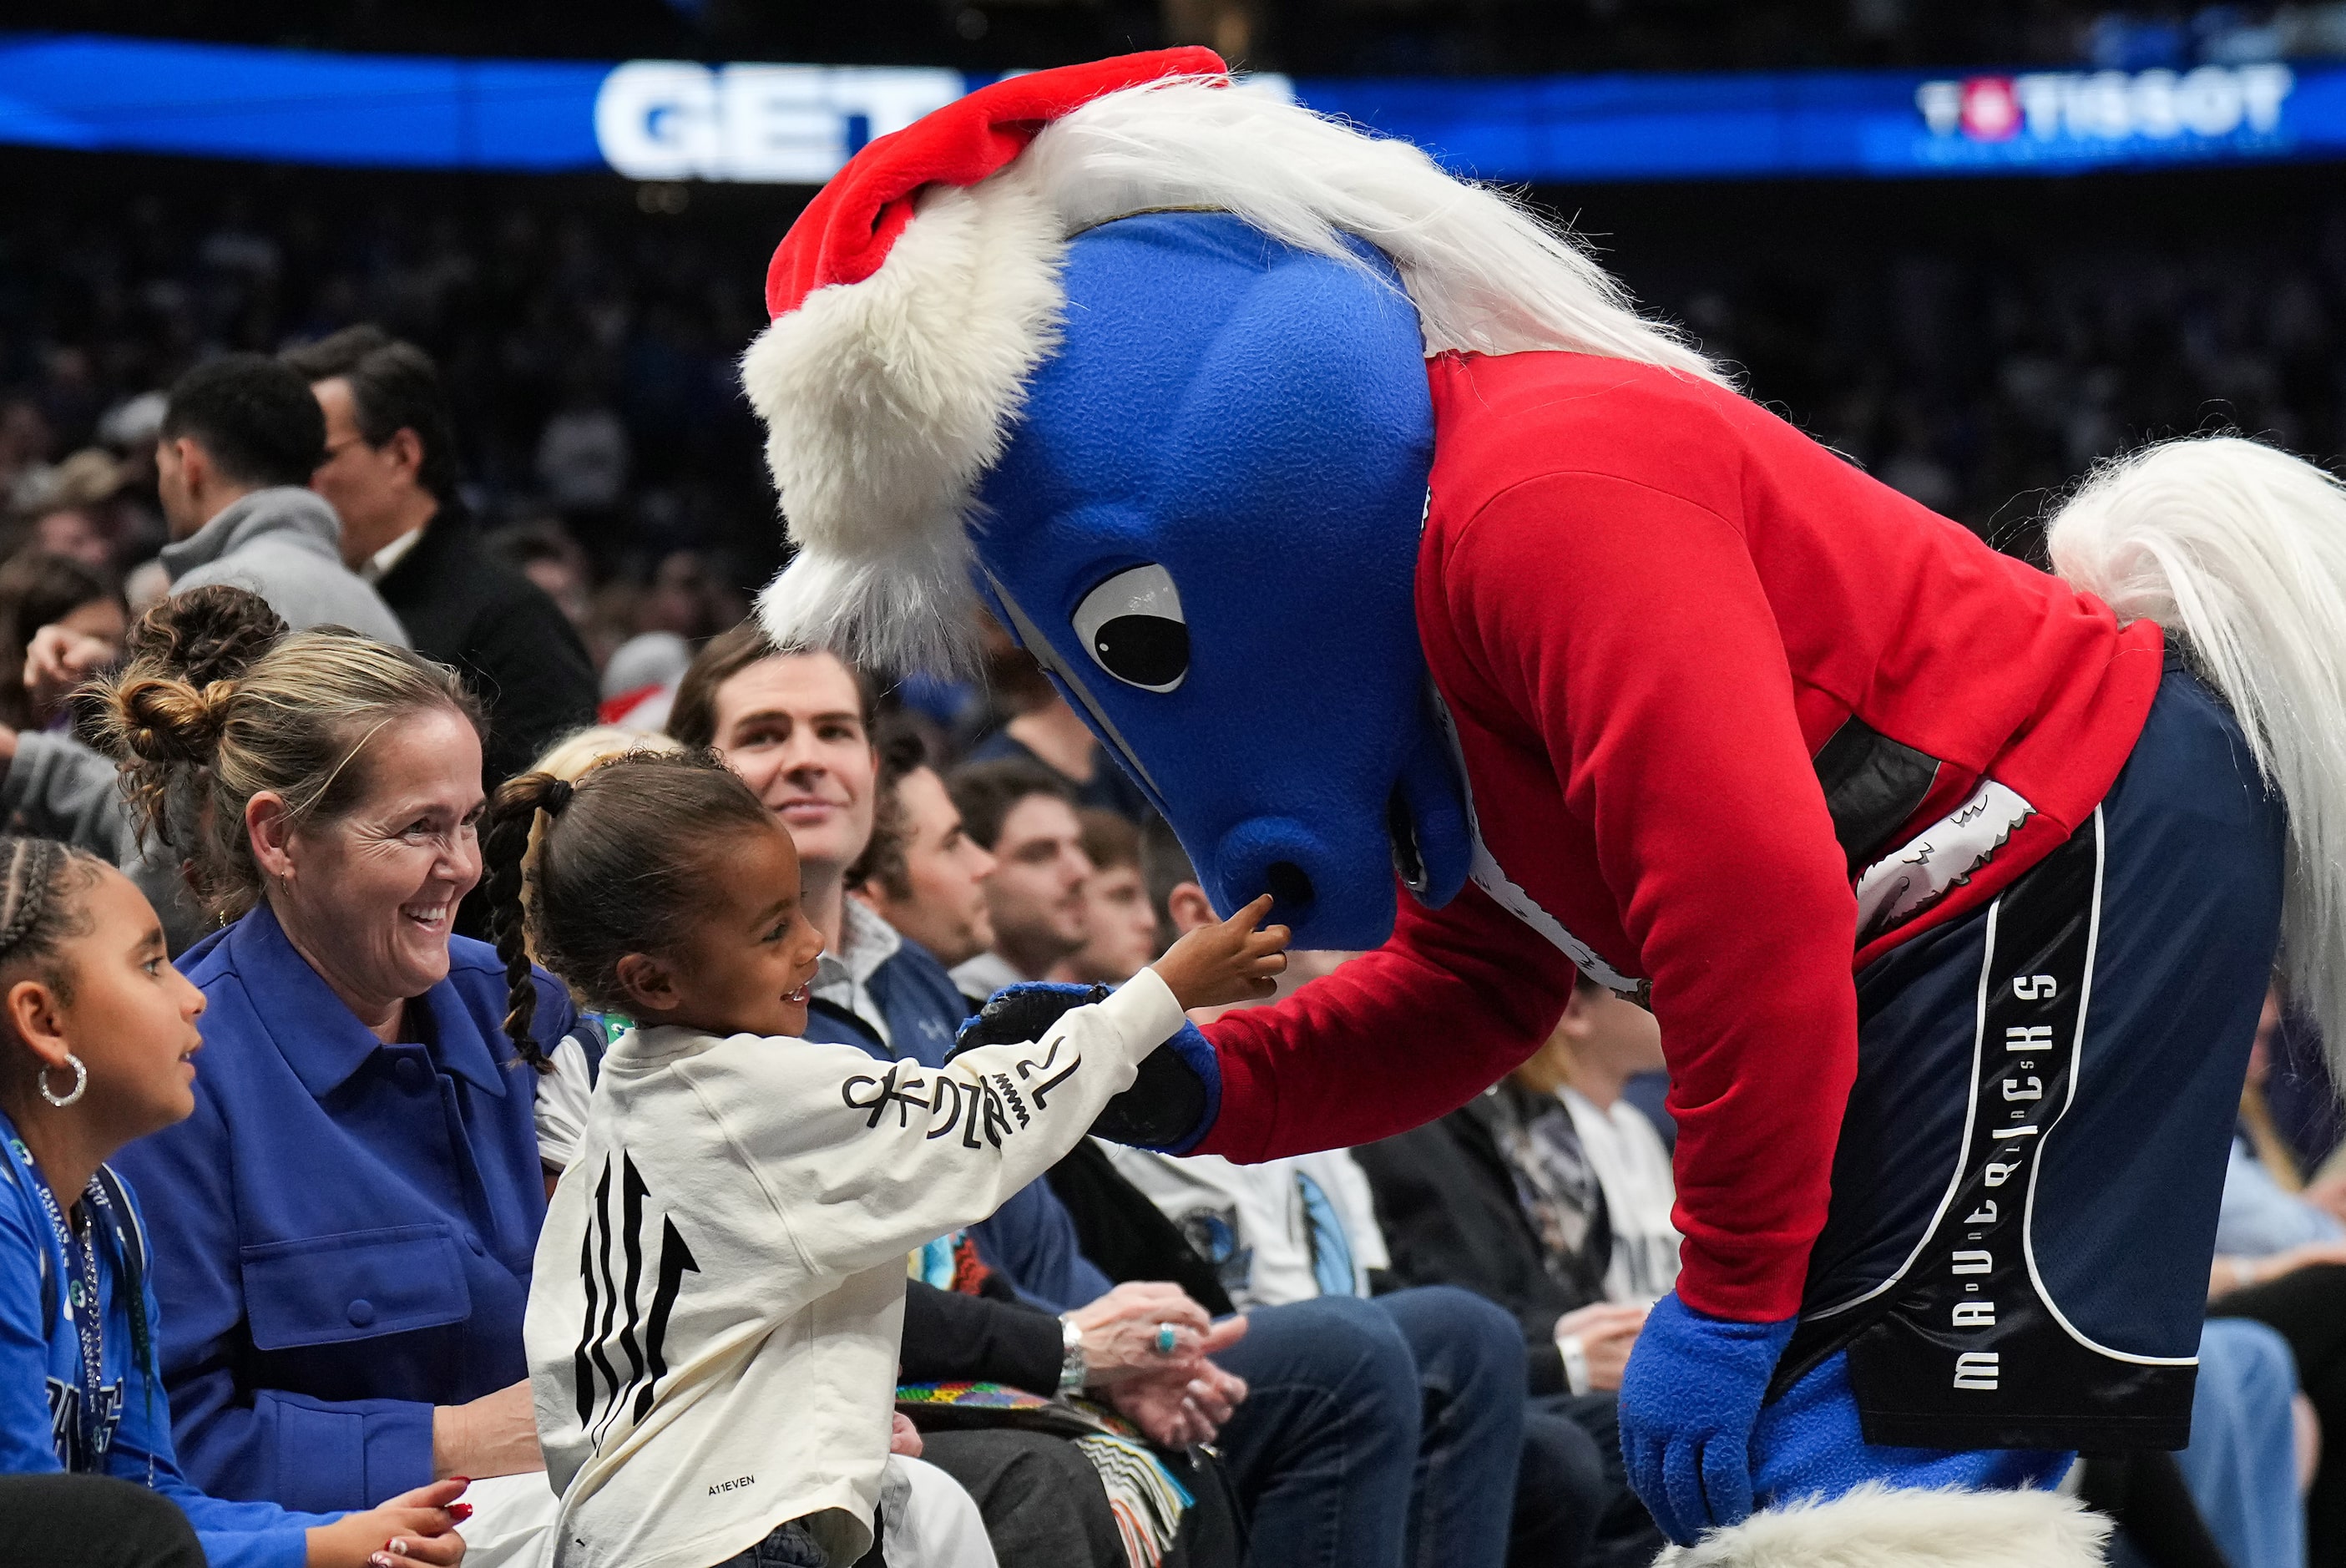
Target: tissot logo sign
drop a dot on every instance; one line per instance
(2230, 103)
(790, 125)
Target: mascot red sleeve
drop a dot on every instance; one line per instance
(1423, 584)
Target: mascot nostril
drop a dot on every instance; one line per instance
(1288, 883)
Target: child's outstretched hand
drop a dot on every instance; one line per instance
(1219, 964)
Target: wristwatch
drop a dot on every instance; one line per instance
(1574, 1353)
(1072, 1372)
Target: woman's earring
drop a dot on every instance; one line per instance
(81, 1082)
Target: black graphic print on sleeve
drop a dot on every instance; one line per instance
(990, 1108)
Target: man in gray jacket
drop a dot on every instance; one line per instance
(240, 438)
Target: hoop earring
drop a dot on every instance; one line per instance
(81, 1083)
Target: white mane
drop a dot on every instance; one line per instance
(887, 400)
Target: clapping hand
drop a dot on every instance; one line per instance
(1178, 1411)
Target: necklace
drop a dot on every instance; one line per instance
(94, 1433)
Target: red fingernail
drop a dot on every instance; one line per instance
(462, 1479)
(460, 1512)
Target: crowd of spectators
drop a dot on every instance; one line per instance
(508, 447)
(587, 360)
(1975, 346)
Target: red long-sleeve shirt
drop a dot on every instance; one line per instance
(1653, 609)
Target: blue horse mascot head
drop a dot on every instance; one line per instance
(1205, 526)
(1136, 357)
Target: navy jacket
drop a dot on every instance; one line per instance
(923, 1008)
(1030, 1241)
(465, 607)
(41, 1429)
(343, 1229)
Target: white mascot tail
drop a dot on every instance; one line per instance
(2241, 550)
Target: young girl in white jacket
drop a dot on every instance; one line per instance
(714, 1318)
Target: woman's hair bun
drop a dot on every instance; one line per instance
(203, 635)
(159, 720)
(182, 660)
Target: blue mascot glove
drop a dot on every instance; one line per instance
(1689, 1402)
(1171, 1106)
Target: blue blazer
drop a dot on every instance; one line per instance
(343, 1230)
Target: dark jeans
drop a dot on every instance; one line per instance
(1379, 1433)
(1470, 1373)
(792, 1545)
(2307, 1308)
(1573, 1504)
(1560, 1493)
(92, 1521)
(2158, 1524)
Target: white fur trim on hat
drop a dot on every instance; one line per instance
(886, 401)
(1877, 1526)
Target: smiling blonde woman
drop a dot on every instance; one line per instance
(346, 1223)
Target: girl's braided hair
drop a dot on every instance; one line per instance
(621, 867)
(40, 881)
(218, 702)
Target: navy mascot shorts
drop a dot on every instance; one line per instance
(2024, 1193)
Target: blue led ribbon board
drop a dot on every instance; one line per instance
(795, 124)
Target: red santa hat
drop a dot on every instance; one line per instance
(915, 296)
(846, 232)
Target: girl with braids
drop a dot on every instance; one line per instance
(719, 1287)
(97, 1041)
(345, 1223)
(562, 1093)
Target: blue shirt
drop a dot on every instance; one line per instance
(2257, 1219)
(41, 1376)
(1031, 1239)
(343, 1230)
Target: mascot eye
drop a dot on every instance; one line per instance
(1132, 627)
